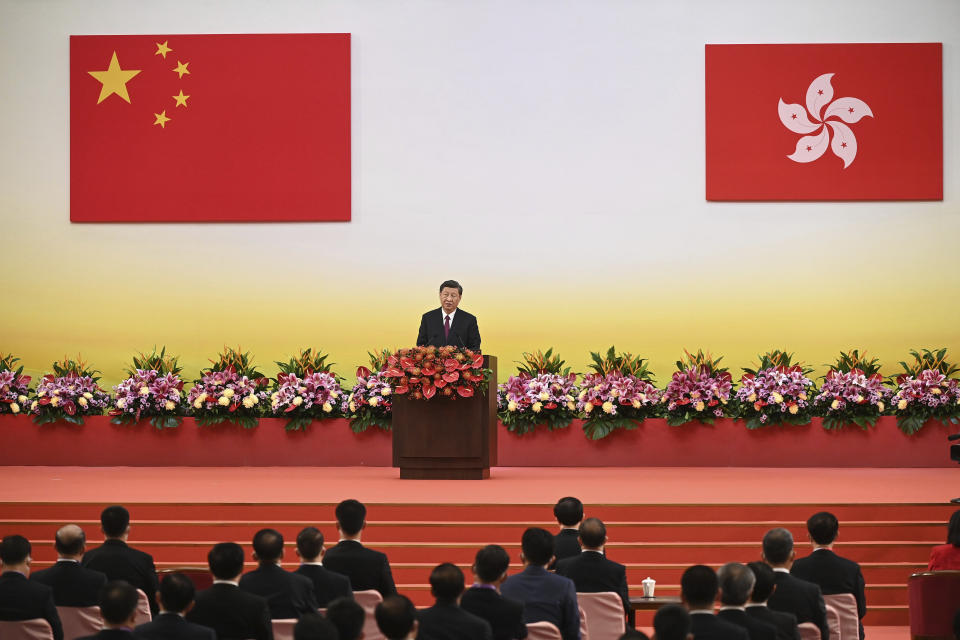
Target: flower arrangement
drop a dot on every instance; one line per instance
(852, 391)
(776, 392)
(423, 372)
(544, 392)
(619, 394)
(305, 390)
(14, 386)
(699, 390)
(153, 389)
(370, 403)
(231, 390)
(69, 393)
(926, 391)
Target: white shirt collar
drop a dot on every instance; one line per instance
(592, 551)
(822, 549)
(756, 604)
(451, 314)
(706, 612)
(68, 560)
(312, 564)
(730, 607)
(235, 583)
(781, 570)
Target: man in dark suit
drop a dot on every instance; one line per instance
(449, 325)
(736, 584)
(569, 514)
(672, 622)
(396, 618)
(545, 595)
(118, 561)
(72, 584)
(825, 568)
(327, 585)
(698, 591)
(313, 626)
(445, 620)
(118, 608)
(348, 617)
(591, 571)
(483, 599)
(289, 595)
(176, 598)
(367, 569)
(793, 595)
(20, 598)
(233, 614)
(785, 623)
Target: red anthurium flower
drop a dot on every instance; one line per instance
(465, 392)
(429, 391)
(452, 376)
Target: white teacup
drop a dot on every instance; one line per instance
(648, 587)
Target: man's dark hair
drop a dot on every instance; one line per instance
(736, 584)
(176, 592)
(568, 511)
(453, 284)
(118, 601)
(351, 515)
(491, 562)
(537, 546)
(672, 622)
(953, 529)
(633, 634)
(347, 616)
(313, 626)
(699, 586)
(114, 521)
(268, 545)
(593, 533)
(310, 543)
(777, 545)
(446, 582)
(823, 527)
(70, 540)
(14, 549)
(225, 560)
(765, 581)
(395, 616)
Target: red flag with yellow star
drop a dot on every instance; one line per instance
(210, 128)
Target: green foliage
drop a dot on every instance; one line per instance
(929, 359)
(378, 360)
(599, 427)
(624, 363)
(702, 361)
(833, 422)
(7, 362)
(51, 417)
(521, 423)
(753, 421)
(306, 362)
(777, 358)
(211, 419)
(853, 359)
(241, 362)
(78, 367)
(160, 362)
(679, 418)
(534, 364)
(158, 422)
(363, 420)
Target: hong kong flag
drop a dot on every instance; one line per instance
(210, 128)
(824, 122)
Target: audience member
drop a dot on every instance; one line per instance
(367, 569)
(289, 595)
(483, 599)
(672, 622)
(118, 561)
(73, 585)
(396, 618)
(792, 594)
(313, 626)
(591, 571)
(736, 584)
(176, 597)
(824, 568)
(232, 613)
(21, 598)
(118, 608)
(569, 513)
(545, 595)
(633, 634)
(946, 557)
(445, 620)
(698, 591)
(327, 585)
(347, 616)
(785, 623)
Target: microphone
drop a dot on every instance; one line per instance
(955, 436)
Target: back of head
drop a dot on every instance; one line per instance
(268, 545)
(313, 626)
(118, 601)
(14, 550)
(347, 616)
(823, 527)
(633, 634)
(446, 582)
(351, 515)
(70, 540)
(698, 585)
(176, 592)
(225, 560)
(309, 543)
(593, 533)
(736, 584)
(491, 562)
(568, 511)
(953, 529)
(764, 582)
(671, 622)
(777, 546)
(114, 521)
(537, 546)
(395, 616)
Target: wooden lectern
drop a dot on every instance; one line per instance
(445, 438)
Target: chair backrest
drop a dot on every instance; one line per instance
(846, 607)
(33, 629)
(283, 628)
(584, 632)
(369, 600)
(833, 623)
(143, 609)
(933, 597)
(543, 631)
(808, 631)
(604, 612)
(79, 621)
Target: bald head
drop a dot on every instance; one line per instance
(593, 534)
(70, 542)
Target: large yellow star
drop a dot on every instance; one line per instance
(162, 119)
(163, 49)
(114, 80)
(181, 68)
(181, 100)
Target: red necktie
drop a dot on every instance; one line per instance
(446, 327)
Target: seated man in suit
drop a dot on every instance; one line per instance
(396, 618)
(672, 622)
(483, 599)
(233, 614)
(569, 514)
(118, 608)
(347, 616)
(118, 561)
(591, 571)
(313, 626)
(764, 585)
(327, 585)
(73, 585)
(367, 569)
(825, 568)
(21, 598)
(289, 595)
(449, 325)
(445, 620)
(736, 584)
(545, 595)
(698, 591)
(793, 595)
(176, 598)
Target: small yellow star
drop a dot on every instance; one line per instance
(114, 80)
(163, 49)
(181, 68)
(162, 119)
(181, 100)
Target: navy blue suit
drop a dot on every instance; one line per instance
(464, 332)
(546, 597)
(172, 626)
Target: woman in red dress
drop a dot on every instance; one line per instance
(947, 556)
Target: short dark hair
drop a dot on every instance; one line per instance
(491, 562)
(118, 601)
(268, 545)
(395, 616)
(633, 634)
(351, 515)
(114, 521)
(765, 580)
(176, 592)
(446, 581)
(777, 545)
(68, 542)
(452, 284)
(537, 546)
(225, 560)
(310, 543)
(593, 533)
(347, 616)
(823, 527)
(568, 511)
(14, 549)
(699, 586)
(672, 622)
(736, 583)
(313, 626)
(953, 529)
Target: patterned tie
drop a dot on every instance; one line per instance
(446, 327)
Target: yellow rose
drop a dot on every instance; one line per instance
(197, 404)
(596, 387)
(33, 406)
(228, 393)
(752, 397)
(544, 395)
(935, 391)
(537, 406)
(334, 394)
(587, 408)
(82, 402)
(643, 397)
(834, 404)
(202, 397)
(777, 397)
(583, 394)
(374, 401)
(41, 393)
(297, 401)
(511, 406)
(881, 406)
(700, 405)
(637, 404)
(144, 391)
(22, 399)
(902, 404)
(247, 403)
(56, 392)
(694, 394)
(14, 407)
(572, 406)
(327, 407)
(170, 405)
(274, 396)
(794, 409)
(121, 403)
(353, 406)
(253, 399)
(614, 393)
(859, 399)
(54, 401)
(223, 401)
(608, 407)
(802, 396)
(385, 392)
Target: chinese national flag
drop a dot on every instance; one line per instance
(824, 122)
(210, 128)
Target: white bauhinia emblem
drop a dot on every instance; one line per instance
(822, 121)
